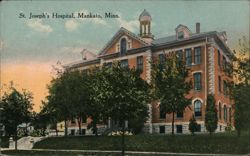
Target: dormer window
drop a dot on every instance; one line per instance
(180, 35)
(123, 46)
(182, 32)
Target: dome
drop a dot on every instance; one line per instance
(145, 16)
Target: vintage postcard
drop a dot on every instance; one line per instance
(124, 77)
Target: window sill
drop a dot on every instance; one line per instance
(197, 90)
(198, 117)
(196, 64)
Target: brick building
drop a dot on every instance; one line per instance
(205, 53)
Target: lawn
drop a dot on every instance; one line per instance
(218, 143)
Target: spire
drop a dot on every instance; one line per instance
(145, 26)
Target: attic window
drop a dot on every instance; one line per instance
(180, 35)
(123, 46)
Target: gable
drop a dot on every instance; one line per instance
(114, 45)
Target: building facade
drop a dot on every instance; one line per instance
(206, 54)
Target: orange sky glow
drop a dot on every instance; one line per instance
(31, 76)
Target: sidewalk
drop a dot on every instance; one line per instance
(100, 152)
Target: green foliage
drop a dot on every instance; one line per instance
(17, 108)
(68, 96)
(193, 126)
(120, 93)
(170, 85)
(241, 106)
(211, 118)
(240, 88)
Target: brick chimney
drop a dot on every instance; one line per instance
(198, 28)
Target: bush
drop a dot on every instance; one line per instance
(193, 126)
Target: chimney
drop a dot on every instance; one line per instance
(83, 52)
(198, 28)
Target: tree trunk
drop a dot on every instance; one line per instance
(173, 124)
(56, 130)
(79, 120)
(123, 138)
(66, 128)
(95, 129)
(26, 129)
(16, 139)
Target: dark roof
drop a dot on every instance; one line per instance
(173, 38)
(157, 44)
(82, 63)
(144, 13)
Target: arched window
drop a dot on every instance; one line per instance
(220, 110)
(225, 113)
(123, 46)
(197, 108)
(162, 112)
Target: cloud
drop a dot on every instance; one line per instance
(37, 25)
(71, 25)
(130, 25)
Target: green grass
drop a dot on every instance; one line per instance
(219, 143)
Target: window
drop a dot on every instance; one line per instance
(179, 55)
(219, 61)
(162, 129)
(162, 113)
(162, 58)
(180, 35)
(229, 113)
(197, 108)
(224, 62)
(179, 128)
(197, 55)
(123, 46)
(198, 128)
(197, 81)
(220, 110)
(140, 63)
(72, 132)
(179, 114)
(225, 113)
(108, 64)
(219, 83)
(188, 57)
(225, 88)
(124, 63)
(83, 131)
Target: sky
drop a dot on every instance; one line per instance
(29, 47)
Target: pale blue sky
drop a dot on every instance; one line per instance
(50, 40)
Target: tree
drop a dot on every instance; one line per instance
(211, 118)
(124, 94)
(67, 96)
(17, 108)
(241, 87)
(97, 87)
(193, 126)
(170, 86)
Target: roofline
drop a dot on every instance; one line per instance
(107, 45)
(83, 63)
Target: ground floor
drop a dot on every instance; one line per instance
(179, 128)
